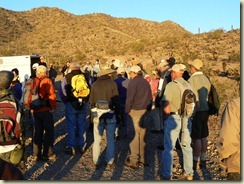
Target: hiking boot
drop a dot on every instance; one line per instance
(116, 138)
(110, 166)
(70, 151)
(189, 177)
(202, 164)
(36, 158)
(165, 178)
(82, 149)
(145, 164)
(53, 157)
(131, 164)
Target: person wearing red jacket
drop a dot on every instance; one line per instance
(44, 118)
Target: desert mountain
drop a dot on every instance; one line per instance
(60, 35)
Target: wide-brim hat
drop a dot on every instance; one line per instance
(117, 63)
(104, 70)
(197, 63)
(120, 70)
(6, 77)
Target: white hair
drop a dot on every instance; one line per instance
(41, 69)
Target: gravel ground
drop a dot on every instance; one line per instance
(80, 167)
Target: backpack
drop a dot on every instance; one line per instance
(188, 100)
(80, 88)
(31, 98)
(213, 101)
(10, 120)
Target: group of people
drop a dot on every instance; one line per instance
(122, 96)
(134, 95)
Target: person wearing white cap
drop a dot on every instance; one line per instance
(33, 71)
(200, 130)
(164, 67)
(138, 101)
(173, 124)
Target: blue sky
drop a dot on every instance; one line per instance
(190, 14)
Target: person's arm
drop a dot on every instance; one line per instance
(229, 137)
(166, 107)
(131, 91)
(62, 91)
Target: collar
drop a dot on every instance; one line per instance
(197, 73)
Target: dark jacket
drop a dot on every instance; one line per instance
(52, 73)
(17, 89)
(70, 97)
(139, 95)
(105, 89)
(121, 89)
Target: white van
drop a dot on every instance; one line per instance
(22, 63)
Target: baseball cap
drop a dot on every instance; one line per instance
(135, 69)
(179, 68)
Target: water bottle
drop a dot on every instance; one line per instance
(80, 100)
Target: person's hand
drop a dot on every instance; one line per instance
(52, 110)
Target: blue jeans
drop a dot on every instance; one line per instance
(172, 132)
(98, 129)
(76, 119)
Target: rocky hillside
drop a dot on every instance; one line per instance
(60, 35)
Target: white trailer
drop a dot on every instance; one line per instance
(22, 63)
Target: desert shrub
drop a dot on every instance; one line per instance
(112, 51)
(215, 34)
(234, 57)
(226, 90)
(79, 56)
(190, 55)
(137, 47)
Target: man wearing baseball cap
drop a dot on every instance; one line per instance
(138, 101)
(173, 125)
